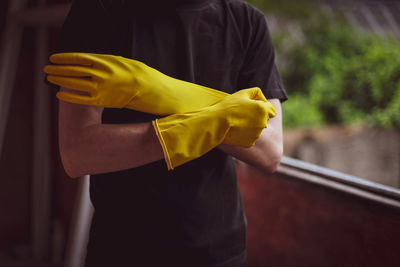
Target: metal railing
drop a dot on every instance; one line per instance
(340, 181)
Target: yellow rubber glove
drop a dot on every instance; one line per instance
(238, 119)
(117, 82)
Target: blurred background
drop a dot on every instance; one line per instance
(340, 63)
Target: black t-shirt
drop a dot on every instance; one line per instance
(193, 215)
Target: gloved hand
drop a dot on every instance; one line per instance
(238, 119)
(117, 82)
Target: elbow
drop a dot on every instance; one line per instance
(71, 172)
(70, 169)
(274, 160)
(273, 166)
(70, 163)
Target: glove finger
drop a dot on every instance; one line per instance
(271, 109)
(75, 71)
(79, 84)
(258, 94)
(96, 61)
(68, 70)
(72, 59)
(253, 93)
(267, 111)
(75, 98)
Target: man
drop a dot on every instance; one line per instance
(146, 215)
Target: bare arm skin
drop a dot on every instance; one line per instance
(89, 147)
(267, 152)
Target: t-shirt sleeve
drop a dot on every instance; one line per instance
(259, 67)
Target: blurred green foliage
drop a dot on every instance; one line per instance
(340, 76)
(336, 75)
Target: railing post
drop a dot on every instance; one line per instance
(80, 225)
(42, 162)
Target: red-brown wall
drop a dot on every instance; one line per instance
(294, 223)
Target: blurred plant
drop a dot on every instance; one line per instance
(342, 76)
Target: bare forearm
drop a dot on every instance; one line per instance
(89, 147)
(105, 148)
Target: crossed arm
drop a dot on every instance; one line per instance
(89, 147)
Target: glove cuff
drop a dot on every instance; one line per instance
(163, 145)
